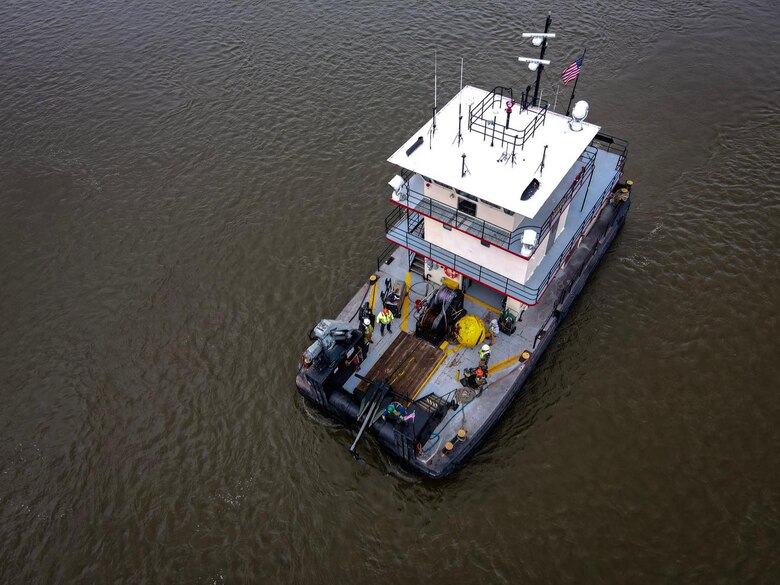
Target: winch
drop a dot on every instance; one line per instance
(324, 352)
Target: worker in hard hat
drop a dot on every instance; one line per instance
(385, 319)
(484, 355)
(366, 313)
(367, 329)
(480, 379)
(491, 333)
(474, 378)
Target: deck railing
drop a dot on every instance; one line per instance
(386, 253)
(496, 126)
(397, 228)
(484, 230)
(397, 231)
(613, 144)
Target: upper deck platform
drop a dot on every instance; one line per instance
(534, 134)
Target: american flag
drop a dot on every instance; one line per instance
(572, 71)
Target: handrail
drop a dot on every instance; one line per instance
(521, 292)
(508, 135)
(612, 144)
(483, 229)
(462, 265)
(384, 255)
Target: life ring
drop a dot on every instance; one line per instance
(450, 272)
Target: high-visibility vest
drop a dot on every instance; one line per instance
(483, 353)
(384, 318)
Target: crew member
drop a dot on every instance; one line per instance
(368, 330)
(397, 413)
(385, 319)
(492, 332)
(474, 378)
(484, 355)
(480, 380)
(366, 313)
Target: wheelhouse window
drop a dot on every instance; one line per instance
(467, 206)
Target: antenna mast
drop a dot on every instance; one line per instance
(435, 97)
(541, 56)
(537, 40)
(459, 137)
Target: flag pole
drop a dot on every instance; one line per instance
(573, 89)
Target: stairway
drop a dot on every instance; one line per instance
(431, 403)
(418, 265)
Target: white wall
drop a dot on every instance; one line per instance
(470, 248)
(439, 193)
(490, 214)
(435, 273)
(496, 216)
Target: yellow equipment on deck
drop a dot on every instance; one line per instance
(470, 331)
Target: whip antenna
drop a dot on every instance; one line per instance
(435, 97)
(459, 137)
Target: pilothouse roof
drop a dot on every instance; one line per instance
(534, 134)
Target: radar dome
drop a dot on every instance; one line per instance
(578, 114)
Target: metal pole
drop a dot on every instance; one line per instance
(571, 99)
(541, 56)
(587, 190)
(573, 89)
(459, 137)
(435, 98)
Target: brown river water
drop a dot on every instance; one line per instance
(187, 187)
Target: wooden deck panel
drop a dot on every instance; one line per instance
(406, 364)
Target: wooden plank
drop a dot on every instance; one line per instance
(405, 364)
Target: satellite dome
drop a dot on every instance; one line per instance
(578, 114)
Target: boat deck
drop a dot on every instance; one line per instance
(416, 368)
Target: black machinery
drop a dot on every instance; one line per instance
(444, 308)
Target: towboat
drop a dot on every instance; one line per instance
(501, 209)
